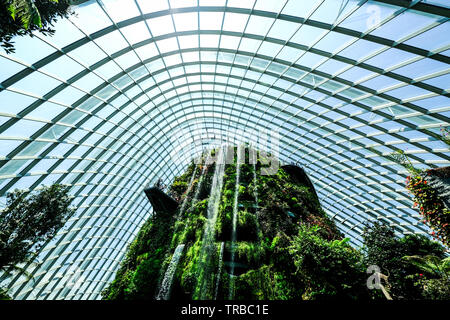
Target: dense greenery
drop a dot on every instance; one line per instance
(140, 271)
(286, 246)
(384, 249)
(23, 17)
(29, 220)
(329, 268)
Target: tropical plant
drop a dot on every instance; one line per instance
(435, 282)
(23, 17)
(435, 289)
(26, 11)
(330, 269)
(431, 207)
(177, 189)
(431, 264)
(383, 248)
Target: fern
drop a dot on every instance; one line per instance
(431, 264)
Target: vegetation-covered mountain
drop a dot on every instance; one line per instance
(239, 234)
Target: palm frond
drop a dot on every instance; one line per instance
(422, 263)
(430, 264)
(26, 11)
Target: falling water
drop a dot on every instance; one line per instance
(164, 291)
(207, 249)
(200, 181)
(255, 158)
(216, 190)
(197, 191)
(219, 272)
(235, 214)
(186, 198)
(191, 182)
(194, 201)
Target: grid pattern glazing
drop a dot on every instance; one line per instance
(102, 104)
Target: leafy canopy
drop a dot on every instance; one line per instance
(22, 17)
(28, 221)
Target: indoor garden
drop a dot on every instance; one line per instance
(237, 233)
(203, 151)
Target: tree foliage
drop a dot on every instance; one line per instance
(28, 221)
(384, 249)
(330, 269)
(431, 264)
(435, 284)
(23, 17)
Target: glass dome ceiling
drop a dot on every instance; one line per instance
(124, 85)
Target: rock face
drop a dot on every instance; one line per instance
(160, 201)
(235, 225)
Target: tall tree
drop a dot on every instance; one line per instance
(28, 221)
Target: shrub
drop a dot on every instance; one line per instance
(145, 278)
(178, 188)
(330, 269)
(436, 289)
(247, 228)
(265, 283)
(384, 249)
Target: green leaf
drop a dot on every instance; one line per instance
(26, 11)
(12, 11)
(37, 19)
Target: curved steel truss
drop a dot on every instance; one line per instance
(130, 90)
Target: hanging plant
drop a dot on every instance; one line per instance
(430, 205)
(429, 197)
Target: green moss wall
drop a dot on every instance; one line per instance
(273, 212)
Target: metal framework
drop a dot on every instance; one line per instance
(123, 85)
